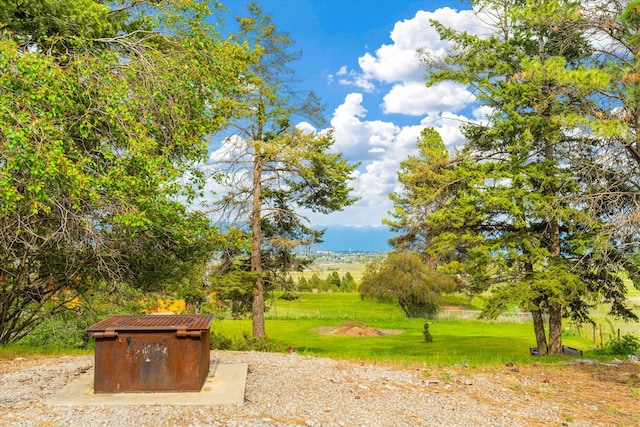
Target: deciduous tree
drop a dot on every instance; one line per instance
(404, 278)
(102, 113)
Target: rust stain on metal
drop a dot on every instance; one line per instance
(151, 353)
(155, 322)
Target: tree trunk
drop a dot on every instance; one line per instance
(555, 309)
(555, 329)
(538, 329)
(256, 244)
(536, 313)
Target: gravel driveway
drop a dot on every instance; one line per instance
(292, 390)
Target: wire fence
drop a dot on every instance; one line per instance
(286, 313)
(508, 316)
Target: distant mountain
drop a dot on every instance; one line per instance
(340, 238)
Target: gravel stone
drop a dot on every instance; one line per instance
(285, 390)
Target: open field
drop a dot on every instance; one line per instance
(348, 306)
(298, 324)
(458, 336)
(474, 372)
(322, 270)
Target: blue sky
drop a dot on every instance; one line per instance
(360, 57)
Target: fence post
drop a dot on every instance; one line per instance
(586, 330)
(601, 345)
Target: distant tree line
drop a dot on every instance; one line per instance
(332, 283)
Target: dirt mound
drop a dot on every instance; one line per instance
(355, 330)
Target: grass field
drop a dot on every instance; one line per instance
(324, 269)
(333, 306)
(455, 340)
(472, 342)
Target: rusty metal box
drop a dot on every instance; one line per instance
(156, 353)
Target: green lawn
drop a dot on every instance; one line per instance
(471, 342)
(294, 323)
(333, 306)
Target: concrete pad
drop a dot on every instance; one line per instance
(224, 385)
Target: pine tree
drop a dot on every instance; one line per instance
(511, 221)
(275, 168)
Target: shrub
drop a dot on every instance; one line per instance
(304, 285)
(66, 329)
(219, 342)
(290, 296)
(427, 335)
(404, 278)
(247, 343)
(626, 344)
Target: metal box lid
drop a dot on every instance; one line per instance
(168, 322)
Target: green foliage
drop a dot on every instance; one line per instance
(290, 296)
(515, 210)
(97, 135)
(66, 328)
(428, 182)
(291, 169)
(235, 289)
(52, 24)
(348, 283)
(625, 345)
(333, 283)
(404, 278)
(189, 286)
(425, 331)
(246, 343)
(220, 342)
(190, 293)
(315, 282)
(304, 285)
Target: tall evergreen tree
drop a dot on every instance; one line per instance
(608, 117)
(273, 167)
(513, 222)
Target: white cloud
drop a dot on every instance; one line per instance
(391, 74)
(306, 127)
(482, 113)
(391, 64)
(381, 146)
(448, 126)
(348, 129)
(353, 78)
(399, 61)
(381, 134)
(228, 149)
(416, 99)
